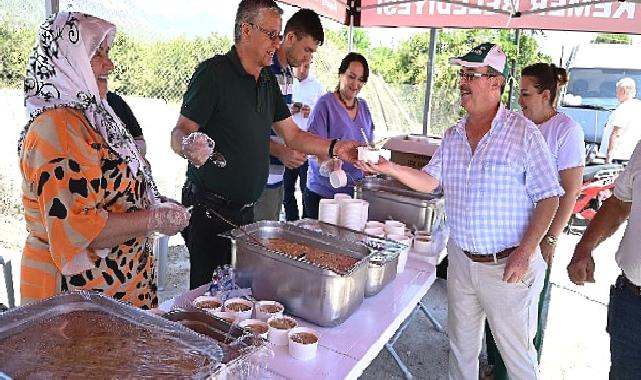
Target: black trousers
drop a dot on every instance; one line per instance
(289, 188)
(311, 201)
(207, 250)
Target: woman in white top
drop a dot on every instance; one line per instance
(539, 87)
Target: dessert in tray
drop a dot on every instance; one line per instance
(332, 261)
(87, 344)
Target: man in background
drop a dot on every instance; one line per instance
(624, 308)
(307, 89)
(302, 35)
(624, 122)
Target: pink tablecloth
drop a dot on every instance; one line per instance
(346, 350)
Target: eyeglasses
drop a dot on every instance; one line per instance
(273, 35)
(473, 75)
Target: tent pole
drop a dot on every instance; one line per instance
(350, 30)
(429, 83)
(517, 40)
(51, 6)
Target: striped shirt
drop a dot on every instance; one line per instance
(490, 194)
(285, 79)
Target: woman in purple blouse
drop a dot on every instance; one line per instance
(339, 115)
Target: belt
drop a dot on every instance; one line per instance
(216, 200)
(489, 257)
(626, 283)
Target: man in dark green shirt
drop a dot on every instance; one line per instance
(235, 100)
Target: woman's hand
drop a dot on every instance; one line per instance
(547, 251)
(167, 218)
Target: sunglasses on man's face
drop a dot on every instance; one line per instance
(273, 35)
(470, 75)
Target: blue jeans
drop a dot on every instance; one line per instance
(624, 327)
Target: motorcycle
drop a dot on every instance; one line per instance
(598, 182)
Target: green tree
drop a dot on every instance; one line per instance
(16, 43)
(360, 41)
(612, 38)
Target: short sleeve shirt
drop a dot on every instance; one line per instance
(627, 116)
(627, 187)
(490, 194)
(564, 137)
(237, 112)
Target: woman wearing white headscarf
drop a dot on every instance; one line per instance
(90, 202)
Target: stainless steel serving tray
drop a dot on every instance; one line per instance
(381, 269)
(16, 320)
(240, 347)
(389, 199)
(309, 291)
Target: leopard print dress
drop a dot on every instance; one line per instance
(71, 180)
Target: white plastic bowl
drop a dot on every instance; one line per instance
(240, 315)
(278, 336)
(302, 351)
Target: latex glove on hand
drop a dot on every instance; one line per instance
(328, 166)
(167, 218)
(197, 148)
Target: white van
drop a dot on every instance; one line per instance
(590, 96)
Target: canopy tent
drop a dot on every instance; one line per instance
(571, 15)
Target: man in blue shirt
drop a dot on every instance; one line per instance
(302, 35)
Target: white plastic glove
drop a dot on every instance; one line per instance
(197, 148)
(168, 218)
(329, 166)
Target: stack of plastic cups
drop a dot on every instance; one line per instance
(341, 196)
(328, 211)
(402, 258)
(351, 214)
(394, 227)
(375, 228)
(365, 213)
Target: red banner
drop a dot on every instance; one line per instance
(576, 15)
(332, 9)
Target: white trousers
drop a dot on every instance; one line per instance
(476, 291)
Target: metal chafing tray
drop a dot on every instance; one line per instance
(381, 269)
(389, 199)
(314, 293)
(244, 354)
(17, 320)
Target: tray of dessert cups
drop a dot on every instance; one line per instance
(317, 277)
(119, 339)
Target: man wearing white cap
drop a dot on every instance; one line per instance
(501, 193)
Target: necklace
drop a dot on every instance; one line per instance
(340, 97)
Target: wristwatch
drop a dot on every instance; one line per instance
(331, 148)
(550, 240)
